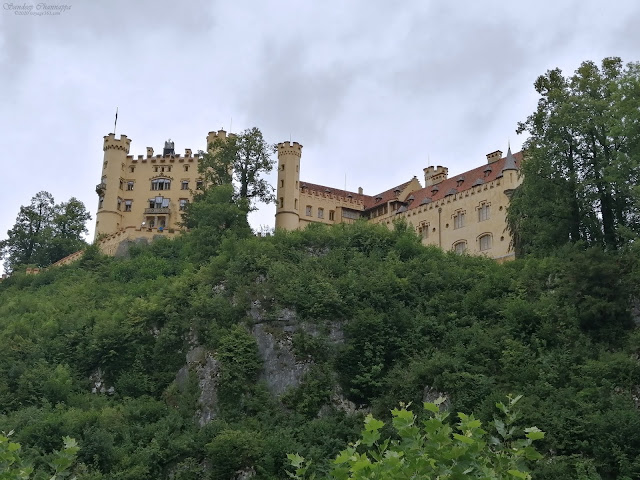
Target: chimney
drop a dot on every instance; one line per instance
(149, 152)
(359, 190)
(494, 156)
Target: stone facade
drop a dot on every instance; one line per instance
(145, 192)
(465, 213)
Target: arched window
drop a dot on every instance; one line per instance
(485, 242)
(460, 247)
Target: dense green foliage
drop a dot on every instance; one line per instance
(435, 449)
(387, 320)
(582, 162)
(44, 232)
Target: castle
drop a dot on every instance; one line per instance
(143, 196)
(465, 213)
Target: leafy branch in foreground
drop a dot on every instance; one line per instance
(436, 450)
(12, 467)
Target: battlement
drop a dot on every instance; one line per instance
(288, 148)
(221, 134)
(341, 198)
(434, 175)
(188, 157)
(111, 142)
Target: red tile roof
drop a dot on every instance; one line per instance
(385, 196)
(368, 200)
(334, 191)
(468, 178)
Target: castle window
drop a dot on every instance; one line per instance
(186, 168)
(282, 167)
(160, 184)
(458, 220)
(295, 203)
(100, 202)
(308, 210)
(485, 242)
(281, 202)
(460, 247)
(296, 184)
(132, 169)
(119, 203)
(332, 215)
(297, 168)
(183, 204)
(198, 184)
(320, 212)
(121, 184)
(130, 185)
(184, 185)
(483, 212)
(127, 205)
(281, 183)
(423, 230)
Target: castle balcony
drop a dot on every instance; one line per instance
(100, 188)
(157, 211)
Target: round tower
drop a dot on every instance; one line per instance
(109, 218)
(288, 191)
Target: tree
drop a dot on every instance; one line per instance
(44, 232)
(436, 450)
(214, 214)
(581, 167)
(244, 158)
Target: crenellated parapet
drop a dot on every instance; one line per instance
(330, 195)
(171, 158)
(112, 143)
(288, 148)
(220, 134)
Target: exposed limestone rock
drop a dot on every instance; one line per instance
(281, 370)
(245, 474)
(340, 402)
(208, 374)
(98, 385)
(207, 370)
(430, 395)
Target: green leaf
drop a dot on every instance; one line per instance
(518, 473)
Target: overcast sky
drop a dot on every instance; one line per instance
(372, 91)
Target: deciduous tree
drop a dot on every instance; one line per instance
(244, 158)
(582, 160)
(44, 232)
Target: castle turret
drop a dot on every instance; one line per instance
(288, 191)
(109, 218)
(435, 175)
(212, 136)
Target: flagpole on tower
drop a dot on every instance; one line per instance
(116, 122)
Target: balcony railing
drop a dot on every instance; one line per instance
(100, 188)
(157, 211)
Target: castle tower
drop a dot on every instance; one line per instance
(288, 191)
(109, 218)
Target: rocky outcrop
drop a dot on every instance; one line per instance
(98, 384)
(207, 370)
(281, 370)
